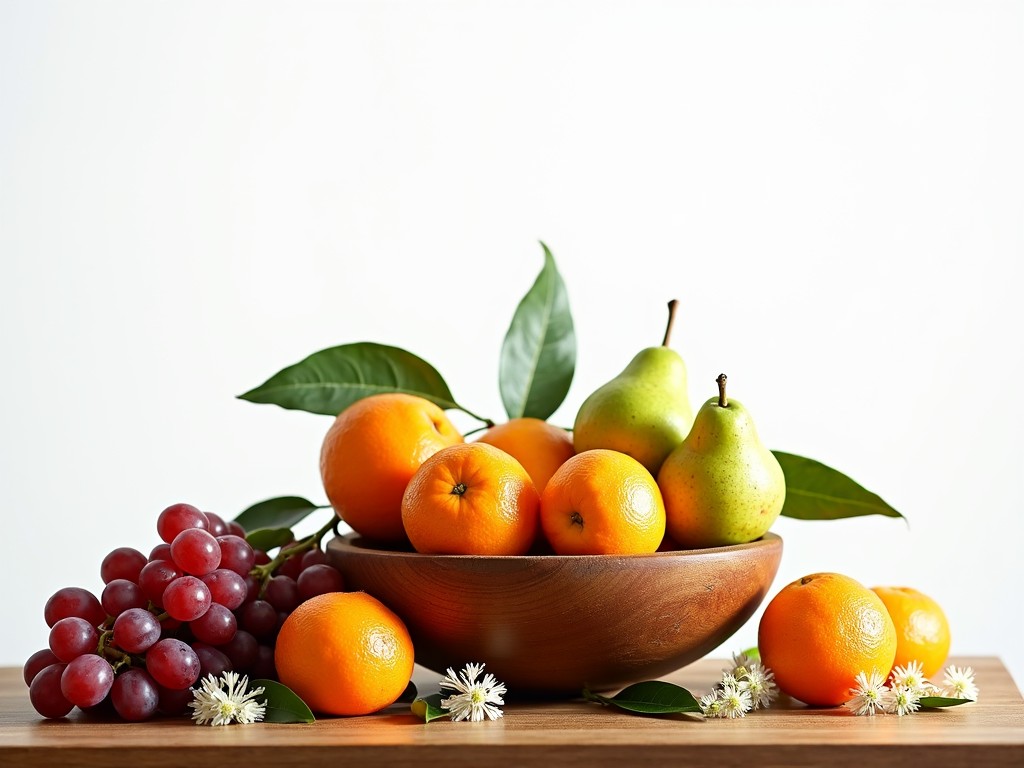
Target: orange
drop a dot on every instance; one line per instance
(471, 499)
(540, 447)
(819, 632)
(372, 451)
(602, 502)
(922, 631)
(344, 653)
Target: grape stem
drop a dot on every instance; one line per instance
(262, 573)
(115, 656)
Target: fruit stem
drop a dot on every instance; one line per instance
(262, 573)
(488, 423)
(723, 401)
(671, 321)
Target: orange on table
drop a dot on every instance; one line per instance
(819, 632)
(471, 499)
(370, 453)
(344, 653)
(540, 447)
(922, 630)
(602, 502)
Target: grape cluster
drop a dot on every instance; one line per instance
(203, 602)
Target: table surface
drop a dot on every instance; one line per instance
(987, 732)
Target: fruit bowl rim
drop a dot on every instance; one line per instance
(355, 542)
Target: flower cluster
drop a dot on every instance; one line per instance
(746, 685)
(906, 687)
(473, 699)
(219, 701)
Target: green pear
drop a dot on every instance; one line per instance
(721, 485)
(644, 411)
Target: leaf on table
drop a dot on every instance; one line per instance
(429, 707)
(283, 705)
(938, 702)
(815, 491)
(332, 379)
(538, 356)
(279, 512)
(652, 697)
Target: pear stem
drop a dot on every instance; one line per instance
(671, 320)
(723, 401)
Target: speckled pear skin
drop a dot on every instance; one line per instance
(644, 411)
(721, 485)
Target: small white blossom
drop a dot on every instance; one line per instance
(912, 677)
(902, 700)
(740, 663)
(734, 701)
(870, 695)
(710, 704)
(474, 700)
(219, 701)
(759, 681)
(959, 683)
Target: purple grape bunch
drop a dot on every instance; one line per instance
(203, 602)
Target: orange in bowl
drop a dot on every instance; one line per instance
(540, 447)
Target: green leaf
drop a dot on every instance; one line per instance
(269, 538)
(754, 653)
(538, 357)
(653, 697)
(332, 379)
(279, 512)
(817, 492)
(283, 706)
(935, 702)
(429, 708)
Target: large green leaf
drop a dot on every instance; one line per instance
(332, 379)
(279, 512)
(538, 357)
(818, 492)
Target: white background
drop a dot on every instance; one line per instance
(194, 195)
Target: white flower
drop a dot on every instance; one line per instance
(710, 704)
(959, 683)
(221, 700)
(902, 700)
(912, 677)
(733, 701)
(870, 695)
(740, 663)
(474, 700)
(759, 681)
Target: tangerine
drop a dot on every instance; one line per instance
(602, 502)
(370, 453)
(819, 632)
(471, 499)
(344, 653)
(540, 447)
(922, 631)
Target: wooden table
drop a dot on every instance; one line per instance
(572, 733)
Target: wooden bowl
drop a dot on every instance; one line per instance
(551, 624)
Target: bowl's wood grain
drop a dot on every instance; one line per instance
(553, 624)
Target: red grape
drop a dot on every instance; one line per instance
(226, 588)
(173, 664)
(317, 580)
(290, 567)
(161, 551)
(155, 577)
(73, 601)
(212, 661)
(264, 666)
(73, 637)
(46, 695)
(37, 662)
(260, 557)
(136, 630)
(177, 518)
(216, 626)
(186, 598)
(283, 593)
(315, 556)
(134, 695)
(236, 554)
(195, 551)
(122, 563)
(87, 680)
(173, 702)
(217, 525)
(259, 618)
(241, 650)
(234, 529)
(120, 595)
